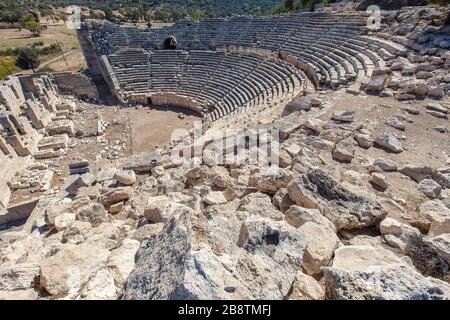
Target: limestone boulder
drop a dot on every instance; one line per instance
(298, 216)
(395, 122)
(344, 116)
(430, 188)
(105, 175)
(266, 258)
(282, 201)
(375, 273)
(417, 173)
(125, 177)
(77, 232)
(390, 283)
(214, 198)
(122, 260)
(100, 287)
(438, 214)
(143, 162)
(344, 151)
(321, 242)
(359, 258)
(306, 288)
(347, 209)
(115, 195)
(387, 165)
(389, 142)
(92, 212)
(379, 181)
(147, 231)
(364, 140)
(27, 294)
(20, 276)
(441, 246)
(270, 180)
(64, 220)
(70, 268)
(259, 204)
(162, 208)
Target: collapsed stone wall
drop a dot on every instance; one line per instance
(332, 221)
(34, 124)
(76, 84)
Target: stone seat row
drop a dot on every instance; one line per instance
(309, 40)
(222, 82)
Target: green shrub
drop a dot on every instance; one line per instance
(46, 69)
(27, 58)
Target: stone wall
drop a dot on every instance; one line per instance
(76, 84)
(168, 99)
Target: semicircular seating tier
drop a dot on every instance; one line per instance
(209, 82)
(330, 49)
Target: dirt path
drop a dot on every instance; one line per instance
(57, 58)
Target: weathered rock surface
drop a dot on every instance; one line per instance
(259, 204)
(347, 210)
(270, 180)
(144, 162)
(374, 273)
(322, 241)
(395, 283)
(389, 142)
(430, 188)
(19, 277)
(306, 288)
(344, 151)
(170, 265)
(125, 177)
(70, 268)
(115, 195)
(162, 208)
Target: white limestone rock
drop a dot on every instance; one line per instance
(306, 287)
(430, 188)
(389, 142)
(64, 221)
(70, 268)
(125, 177)
(321, 242)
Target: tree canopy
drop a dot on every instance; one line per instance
(27, 58)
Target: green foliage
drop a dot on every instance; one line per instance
(34, 27)
(439, 2)
(197, 15)
(173, 9)
(278, 9)
(62, 16)
(132, 14)
(7, 66)
(109, 15)
(37, 47)
(289, 5)
(95, 15)
(27, 58)
(37, 44)
(30, 22)
(45, 69)
(169, 14)
(10, 16)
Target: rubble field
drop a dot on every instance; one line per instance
(306, 181)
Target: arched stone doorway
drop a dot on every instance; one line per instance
(170, 43)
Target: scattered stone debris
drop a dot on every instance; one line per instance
(352, 200)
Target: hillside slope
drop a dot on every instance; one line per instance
(210, 7)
